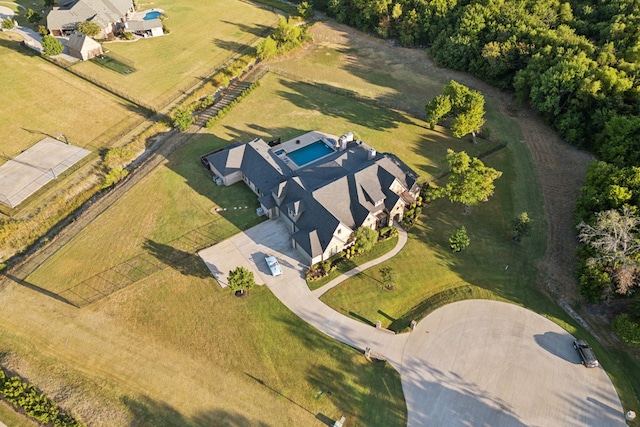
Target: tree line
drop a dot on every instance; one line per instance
(576, 62)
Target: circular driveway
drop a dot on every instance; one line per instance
(470, 363)
(488, 363)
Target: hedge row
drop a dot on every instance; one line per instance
(34, 403)
(627, 330)
(233, 103)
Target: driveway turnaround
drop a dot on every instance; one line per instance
(489, 363)
(470, 363)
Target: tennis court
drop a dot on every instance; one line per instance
(35, 167)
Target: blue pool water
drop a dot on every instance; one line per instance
(309, 153)
(151, 15)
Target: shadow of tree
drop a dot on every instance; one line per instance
(152, 413)
(232, 46)
(186, 263)
(258, 30)
(308, 96)
(373, 390)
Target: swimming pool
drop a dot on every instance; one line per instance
(310, 153)
(152, 15)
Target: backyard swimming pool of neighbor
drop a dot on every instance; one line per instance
(152, 15)
(310, 153)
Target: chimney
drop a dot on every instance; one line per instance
(372, 154)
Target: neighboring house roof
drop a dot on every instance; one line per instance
(82, 44)
(143, 25)
(345, 187)
(102, 12)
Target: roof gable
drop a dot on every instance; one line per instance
(81, 42)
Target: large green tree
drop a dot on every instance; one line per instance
(51, 46)
(470, 181)
(241, 280)
(89, 28)
(365, 238)
(465, 105)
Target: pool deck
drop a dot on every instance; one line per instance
(306, 139)
(139, 16)
(301, 142)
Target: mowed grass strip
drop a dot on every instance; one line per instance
(40, 99)
(398, 78)
(204, 34)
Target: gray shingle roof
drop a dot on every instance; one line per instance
(143, 25)
(102, 12)
(345, 187)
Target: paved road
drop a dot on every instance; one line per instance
(477, 362)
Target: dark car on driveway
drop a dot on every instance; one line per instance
(586, 354)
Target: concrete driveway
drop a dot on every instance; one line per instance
(470, 363)
(489, 363)
(249, 248)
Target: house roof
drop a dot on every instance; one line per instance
(255, 160)
(143, 25)
(344, 187)
(82, 43)
(102, 12)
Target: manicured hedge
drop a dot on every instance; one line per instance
(233, 103)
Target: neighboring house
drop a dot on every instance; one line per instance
(321, 187)
(63, 20)
(145, 28)
(83, 47)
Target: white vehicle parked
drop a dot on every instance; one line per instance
(275, 268)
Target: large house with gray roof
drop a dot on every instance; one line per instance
(108, 14)
(320, 186)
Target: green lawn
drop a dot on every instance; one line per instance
(174, 349)
(204, 34)
(378, 250)
(426, 267)
(40, 99)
